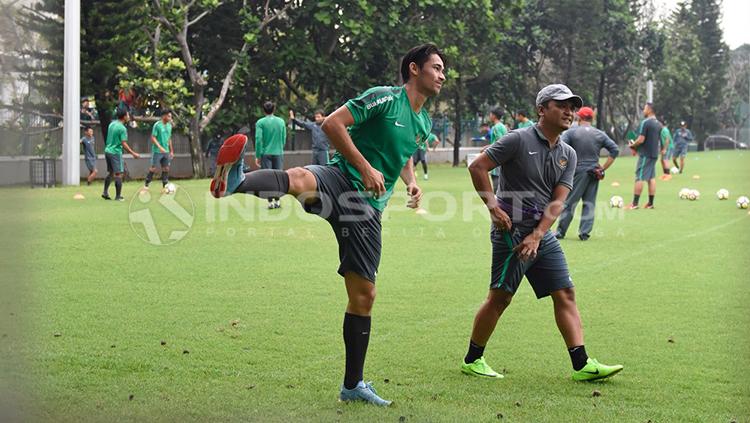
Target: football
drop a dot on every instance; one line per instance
(616, 202)
(694, 195)
(722, 194)
(170, 188)
(674, 170)
(743, 202)
(684, 193)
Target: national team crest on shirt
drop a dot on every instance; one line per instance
(563, 162)
(419, 140)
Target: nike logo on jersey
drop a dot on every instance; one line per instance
(399, 125)
(531, 153)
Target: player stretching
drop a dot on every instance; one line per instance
(536, 176)
(386, 124)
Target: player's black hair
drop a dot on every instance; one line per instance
(523, 112)
(651, 105)
(419, 55)
(121, 112)
(269, 107)
(498, 112)
(86, 128)
(320, 112)
(85, 99)
(165, 111)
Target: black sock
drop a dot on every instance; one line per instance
(118, 186)
(356, 338)
(651, 200)
(265, 183)
(424, 167)
(666, 171)
(475, 351)
(578, 357)
(107, 181)
(636, 199)
(149, 177)
(164, 178)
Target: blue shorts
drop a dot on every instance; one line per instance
(90, 163)
(160, 159)
(645, 169)
(546, 273)
(680, 150)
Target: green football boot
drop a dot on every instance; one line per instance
(594, 370)
(480, 368)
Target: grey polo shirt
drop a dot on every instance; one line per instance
(651, 129)
(530, 170)
(588, 142)
(319, 138)
(682, 136)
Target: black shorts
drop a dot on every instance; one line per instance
(354, 221)
(420, 156)
(546, 273)
(114, 163)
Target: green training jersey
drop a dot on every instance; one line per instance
(430, 139)
(666, 137)
(526, 124)
(498, 131)
(162, 132)
(270, 136)
(116, 134)
(387, 132)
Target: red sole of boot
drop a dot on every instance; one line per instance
(229, 153)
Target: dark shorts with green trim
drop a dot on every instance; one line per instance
(114, 162)
(354, 221)
(680, 149)
(546, 273)
(645, 168)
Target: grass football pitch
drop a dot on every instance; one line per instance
(237, 315)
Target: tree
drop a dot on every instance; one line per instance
(735, 106)
(179, 17)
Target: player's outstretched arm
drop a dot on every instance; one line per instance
(335, 128)
(130, 150)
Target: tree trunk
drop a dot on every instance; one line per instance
(196, 150)
(194, 135)
(600, 112)
(458, 124)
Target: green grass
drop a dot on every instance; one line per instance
(258, 305)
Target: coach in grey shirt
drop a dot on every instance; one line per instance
(320, 143)
(588, 142)
(536, 175)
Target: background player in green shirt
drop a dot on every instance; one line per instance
(117, 139)
(666, 152)
(162, 151)
(523, 120)
(385, 126)
(498, 131)
(270, 137)
(421, 154)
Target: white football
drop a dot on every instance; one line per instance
(743, 202)
(616, 202)
(722, 194)
(694, 195)
(674, 170)
(684, 193)
(170, 188)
